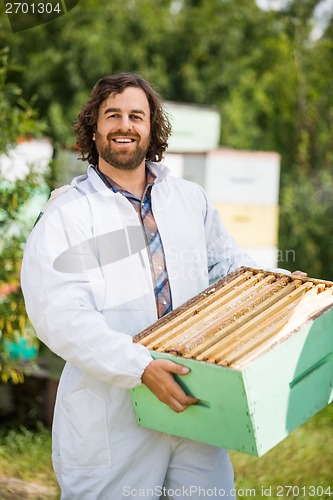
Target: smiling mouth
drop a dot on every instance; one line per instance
(123, 140)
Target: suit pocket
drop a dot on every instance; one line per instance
(84, 436)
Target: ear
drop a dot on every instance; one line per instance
(94, 138)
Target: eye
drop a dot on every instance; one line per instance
(114, 115)
(135, 117)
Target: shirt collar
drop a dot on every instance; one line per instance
(150, 179)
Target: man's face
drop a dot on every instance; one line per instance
(123, 129)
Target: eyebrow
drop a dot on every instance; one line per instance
(118, 110)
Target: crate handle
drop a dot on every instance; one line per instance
(314, 367)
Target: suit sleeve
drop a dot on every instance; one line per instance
(65, 307)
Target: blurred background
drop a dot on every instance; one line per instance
(248, 88)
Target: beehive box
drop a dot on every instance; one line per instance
(242, 177)
(251, 224)
(260, 349)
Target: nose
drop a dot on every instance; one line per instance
(125, 123)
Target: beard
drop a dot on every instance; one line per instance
(121, 158)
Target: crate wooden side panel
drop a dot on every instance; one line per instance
(221, 418)
(253, 409)
(291, 382)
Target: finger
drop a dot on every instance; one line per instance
(177, 368)
(180, 395)
(299, 273)
(183, 398)
(178, 406)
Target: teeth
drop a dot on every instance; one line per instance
(123, 140)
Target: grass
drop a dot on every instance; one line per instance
(303, 462)
(26, 455)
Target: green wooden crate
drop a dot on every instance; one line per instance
(250, 409)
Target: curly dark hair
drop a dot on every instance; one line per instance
(86, 124)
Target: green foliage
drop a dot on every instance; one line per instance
(18, 442)
(17, 119)
(26, 455)
(65, 57)
(307, 223)
(264, 70)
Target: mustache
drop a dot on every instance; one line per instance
(119, 133)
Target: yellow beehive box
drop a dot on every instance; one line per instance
(251, 225)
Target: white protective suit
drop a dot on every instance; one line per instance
(88, 289)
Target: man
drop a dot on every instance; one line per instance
(120, 247)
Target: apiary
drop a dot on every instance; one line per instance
(260, 349)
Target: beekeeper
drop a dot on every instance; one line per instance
(114, 251)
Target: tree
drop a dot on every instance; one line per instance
(94, 39)
(307, 180)
(306, 234)
(17, 119)
(264, 71)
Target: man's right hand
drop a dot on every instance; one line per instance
(158, 377)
